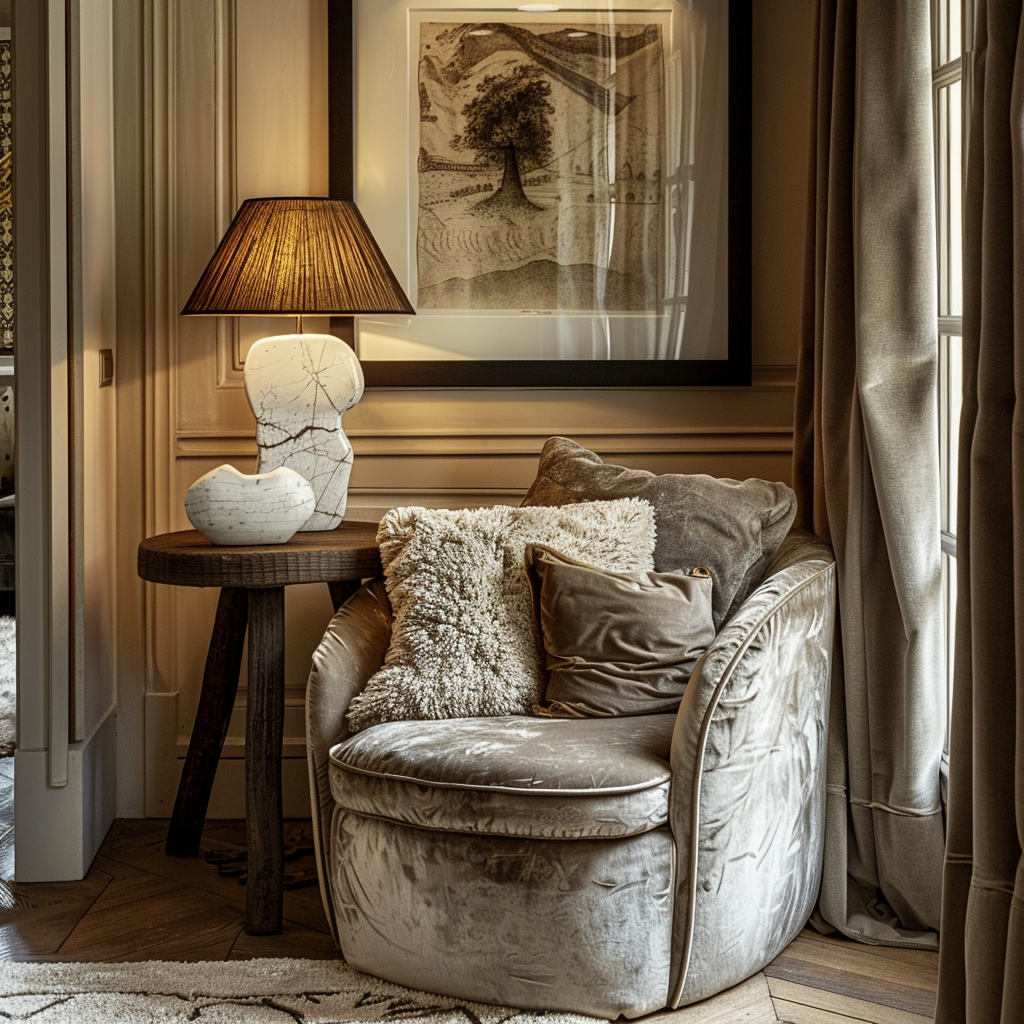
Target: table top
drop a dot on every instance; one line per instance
(188, 559)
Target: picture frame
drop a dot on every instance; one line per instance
(389, 59)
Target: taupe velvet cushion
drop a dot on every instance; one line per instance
(512, 776)
(731, 526)
(615, 643)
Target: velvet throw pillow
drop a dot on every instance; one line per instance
(732, 526)
(462, 643)
(616, 643)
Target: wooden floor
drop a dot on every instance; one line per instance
(137, 904)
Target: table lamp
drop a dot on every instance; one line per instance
(301, 257)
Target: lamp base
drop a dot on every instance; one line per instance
(316, 459)
(298, 386)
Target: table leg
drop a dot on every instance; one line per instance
(220, 682)
(264, 729)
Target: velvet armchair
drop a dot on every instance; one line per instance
(608, 866)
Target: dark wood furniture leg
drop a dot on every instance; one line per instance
(220, 682)
(342, 590)
(264, 729)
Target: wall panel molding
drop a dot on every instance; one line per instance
(222, 127)
(160, 104)
(229, 365)
(393, 444)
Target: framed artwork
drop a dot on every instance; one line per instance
(563, 191)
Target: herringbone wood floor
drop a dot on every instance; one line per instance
(137, 904)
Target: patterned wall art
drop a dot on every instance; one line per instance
(540, 184)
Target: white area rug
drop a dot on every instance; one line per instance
(7, 685)
(286, 992)
(250, 991)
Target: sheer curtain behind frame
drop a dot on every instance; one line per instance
(866, 463)
(981, 962)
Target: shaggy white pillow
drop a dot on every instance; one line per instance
(463, 640)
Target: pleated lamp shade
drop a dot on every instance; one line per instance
(301, 257)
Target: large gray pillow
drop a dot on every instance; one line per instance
(732, 526)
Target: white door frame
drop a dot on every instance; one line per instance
(64, 777)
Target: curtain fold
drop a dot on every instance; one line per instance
(866, 463)
(981, 962)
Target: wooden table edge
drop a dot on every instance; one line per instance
(187, 558)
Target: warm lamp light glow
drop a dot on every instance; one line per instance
(301, 257)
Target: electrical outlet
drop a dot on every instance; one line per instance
(106, 367)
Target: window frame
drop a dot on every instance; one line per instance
(950, 60)
(951, 32)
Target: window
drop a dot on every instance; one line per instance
(949, 110)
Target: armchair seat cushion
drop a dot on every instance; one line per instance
(511, 776)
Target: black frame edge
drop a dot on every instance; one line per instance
(735, 371)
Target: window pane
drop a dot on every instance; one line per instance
(949, 630)
(948, 183)
(955, 388)
(950, 386)
(942, 210)
(955, 271)
(944, 467)
(952, 29)
(947, 30)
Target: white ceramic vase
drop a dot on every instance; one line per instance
(228, 507)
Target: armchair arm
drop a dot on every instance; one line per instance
(352, 649)
(748, 777)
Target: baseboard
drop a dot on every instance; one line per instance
(58, 830)
(163, 769)
(165, 757)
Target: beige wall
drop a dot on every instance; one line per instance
(783, 71)
(265, 134)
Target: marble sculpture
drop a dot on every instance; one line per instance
(228, 507)
(298, 386)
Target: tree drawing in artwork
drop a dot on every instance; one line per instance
(539, 170)
(509, 122)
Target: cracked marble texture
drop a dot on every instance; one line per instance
(298, 386)
(228, 507)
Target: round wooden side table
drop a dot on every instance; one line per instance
(252, 582)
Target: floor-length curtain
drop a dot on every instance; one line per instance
(981, 964)
(866, 463)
